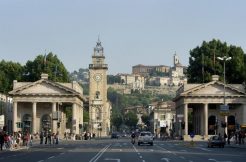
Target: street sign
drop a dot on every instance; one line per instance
(224, 110)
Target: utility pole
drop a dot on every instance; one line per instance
(225, 107)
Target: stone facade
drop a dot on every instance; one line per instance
(39, 106)
(203, 101)
(99, 107)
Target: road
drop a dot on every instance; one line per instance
(121, 150)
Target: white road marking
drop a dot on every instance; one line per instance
(140, 157)
(51, 157)
(116, 150)
(40, 161)
(166, 159)
(218, 161)
(60, 148)
(99, 154)
(118, 160)
(183, 150)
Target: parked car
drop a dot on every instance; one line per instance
(115, 135)
(145, 138)
(216, 140)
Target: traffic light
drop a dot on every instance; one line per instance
(58, 125)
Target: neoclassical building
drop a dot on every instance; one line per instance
(41, 105)
(198, 109)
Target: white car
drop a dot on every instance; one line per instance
(145, 138)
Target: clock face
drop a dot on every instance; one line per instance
(98, 77)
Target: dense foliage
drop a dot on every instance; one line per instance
(203, 63)
(121, 101)
(49, 64)
(9, 71)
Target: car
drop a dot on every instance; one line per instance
(145, 137)
(216, 140)
(115, 135)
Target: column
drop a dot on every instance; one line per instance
(205, 119)
(186, 118)
(34, 113)
(14, 117)
(54, 122)
(74, 122)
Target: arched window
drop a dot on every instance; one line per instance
(27, 121)
(46, 122)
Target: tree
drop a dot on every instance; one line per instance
(9, 71)
(204, 63)
(111, 79)
(116, 121)
(131, 119)
(146, 119)
(49, 64)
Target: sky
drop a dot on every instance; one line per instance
(132, 32)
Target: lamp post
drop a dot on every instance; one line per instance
(224, 59)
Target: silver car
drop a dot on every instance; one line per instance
(145, 138)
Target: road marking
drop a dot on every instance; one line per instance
(140, 157)
(99, 154)
(51, 157)
(151, 150)
(183, 150)
(218, 161)
(166, 159)
(204, 149)
(118, 160)
(60, 148)
(116, 150)
(40, 161)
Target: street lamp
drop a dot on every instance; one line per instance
(224, 59)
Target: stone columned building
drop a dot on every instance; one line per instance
(199, 110)
(40, 106)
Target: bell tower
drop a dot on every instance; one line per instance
(99, 108)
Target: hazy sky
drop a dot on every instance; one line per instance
(131, 31)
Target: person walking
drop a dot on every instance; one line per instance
(1, 140)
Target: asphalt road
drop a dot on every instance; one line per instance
(121, 150)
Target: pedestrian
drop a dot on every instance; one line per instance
(1, 140)
(228, 138)
(41, 137)
(31, 139)
(57, 138)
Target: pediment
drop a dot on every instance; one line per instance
(43, 87)
(213, 89)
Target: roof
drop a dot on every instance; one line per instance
(45, 87)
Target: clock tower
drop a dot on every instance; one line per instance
(99, 107)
